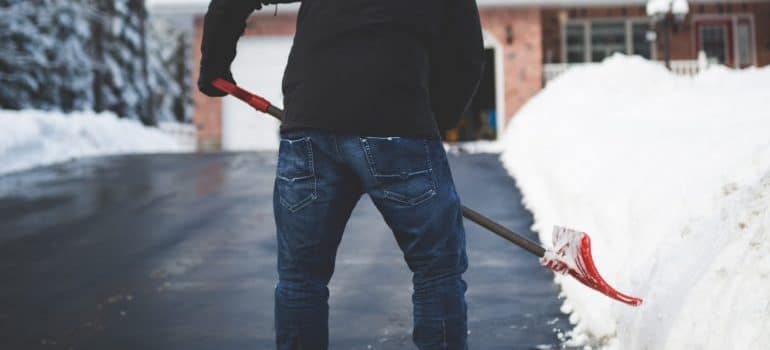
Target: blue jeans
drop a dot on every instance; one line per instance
(320, 177)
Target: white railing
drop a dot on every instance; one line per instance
(185, 134)
(679, 67)
(686, 67)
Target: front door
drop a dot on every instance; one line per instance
(714, 39)
(728, 40)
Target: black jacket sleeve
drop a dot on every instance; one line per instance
(222, 26)
(457, 62)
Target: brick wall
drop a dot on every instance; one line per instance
(522, 54)
(762, 30)
(207, 115)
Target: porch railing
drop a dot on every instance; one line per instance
(679, 67)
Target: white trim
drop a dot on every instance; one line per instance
(752, 35)
(734, 32)
(587, 44)
(629, 34)
(490, 42)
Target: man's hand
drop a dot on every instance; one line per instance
(208, 75)
(223, 25)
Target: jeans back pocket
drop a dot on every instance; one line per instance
(296, 180)
(401, 167)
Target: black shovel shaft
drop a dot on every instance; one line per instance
(503, 232)
(468, 213)
(275, 112)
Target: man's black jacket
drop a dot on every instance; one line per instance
(373, 67)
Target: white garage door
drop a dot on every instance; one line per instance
(258, 67)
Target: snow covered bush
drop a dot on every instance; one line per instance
(43, 55)
(31, 138)
(91, 55)
(670, 176)
(170, 76)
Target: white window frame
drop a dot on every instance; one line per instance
(586, 23)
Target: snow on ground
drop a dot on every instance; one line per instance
(33, 138)
(473, 147)
(670, 176)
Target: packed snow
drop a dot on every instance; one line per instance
(679, 7)
(474, 147)
(32, 138)
(670, 176)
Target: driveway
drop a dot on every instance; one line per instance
(178, 252)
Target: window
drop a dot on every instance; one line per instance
(607, 38)
(713, 41)
(593, 41)
(575, 37)
(640, 45)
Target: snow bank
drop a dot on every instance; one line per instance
(680, 7)
(671, 178)
(32, 138)
(474, 147)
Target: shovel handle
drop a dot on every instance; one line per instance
(264, 106)
(253, 100)
(503, 232)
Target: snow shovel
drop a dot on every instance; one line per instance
(571, 254)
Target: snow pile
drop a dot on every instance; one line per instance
(680, 7)
(32, 138)
(474, 147)
(670, 176)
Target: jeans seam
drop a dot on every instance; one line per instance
(311, 160)
(369, 156)
(443, 330)
(337, 147)
(433, 181)
(415, 201)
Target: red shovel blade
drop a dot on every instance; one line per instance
(572, 255)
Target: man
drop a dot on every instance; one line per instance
(368, 86)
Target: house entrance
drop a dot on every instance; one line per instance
(480, 120)
(728, 40)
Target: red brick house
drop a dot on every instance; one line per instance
(529, 41)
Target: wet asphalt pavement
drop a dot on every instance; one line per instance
(178, 252)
